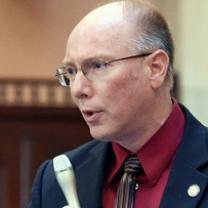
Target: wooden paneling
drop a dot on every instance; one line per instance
(30, 135)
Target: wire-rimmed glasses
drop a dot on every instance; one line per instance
(91, 68)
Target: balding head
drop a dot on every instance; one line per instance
(106, 23)
(135, 24)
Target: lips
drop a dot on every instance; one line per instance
(91, 116)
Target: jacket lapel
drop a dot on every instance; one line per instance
(187, 170)
(176, 192)
(90, 176)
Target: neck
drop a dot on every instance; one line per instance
(136, 140)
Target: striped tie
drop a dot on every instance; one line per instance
(128, 185)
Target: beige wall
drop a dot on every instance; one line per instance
(33, 34)
(193, 60)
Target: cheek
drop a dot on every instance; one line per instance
(122, 93)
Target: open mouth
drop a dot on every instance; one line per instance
(91, 116)
(88, 113)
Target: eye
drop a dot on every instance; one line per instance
(98, 64)
(71, 71)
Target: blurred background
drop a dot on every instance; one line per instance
(37, 118)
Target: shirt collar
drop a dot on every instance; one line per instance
(157, 153)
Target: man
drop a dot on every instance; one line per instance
(118, 66)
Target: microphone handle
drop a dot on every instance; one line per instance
(66, 179)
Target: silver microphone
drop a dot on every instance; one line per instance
(65, 176)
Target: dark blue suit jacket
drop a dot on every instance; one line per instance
(89, 161)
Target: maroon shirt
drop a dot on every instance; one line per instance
(156, 158)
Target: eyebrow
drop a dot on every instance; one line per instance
(97, 57)
(65, 64)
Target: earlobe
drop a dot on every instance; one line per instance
(158, 64)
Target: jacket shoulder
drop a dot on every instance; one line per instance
(86, 150)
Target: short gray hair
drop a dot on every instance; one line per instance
(151, 31)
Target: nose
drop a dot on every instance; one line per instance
(81, 87)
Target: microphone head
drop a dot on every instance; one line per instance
(62, 163)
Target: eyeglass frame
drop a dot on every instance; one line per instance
(105, 63)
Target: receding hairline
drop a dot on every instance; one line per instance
(127, 6)
(130, 11)
(125, 11)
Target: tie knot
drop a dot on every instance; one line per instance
(132, 165)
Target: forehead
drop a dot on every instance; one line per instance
(104, 31)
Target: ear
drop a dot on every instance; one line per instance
(158, 64)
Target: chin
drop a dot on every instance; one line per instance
(102, 135)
